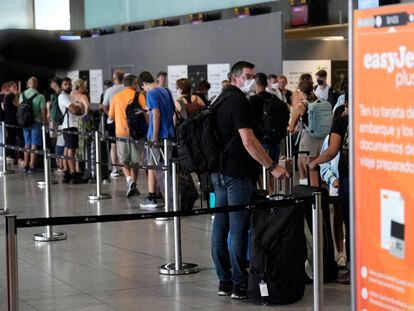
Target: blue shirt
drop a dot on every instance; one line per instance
(329, 170)
(161, 99)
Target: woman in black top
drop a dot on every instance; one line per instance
(339, 141)
(13, 135)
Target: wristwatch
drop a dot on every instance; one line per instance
(271, 167)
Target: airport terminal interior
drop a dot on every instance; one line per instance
(206, 155)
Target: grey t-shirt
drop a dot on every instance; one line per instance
(109, 94)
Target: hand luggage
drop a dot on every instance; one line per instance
(187, 190)
(330, 267)
(277, 273)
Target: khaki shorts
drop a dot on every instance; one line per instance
(130, 153)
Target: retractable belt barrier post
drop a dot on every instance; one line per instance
(177, 267)
(264, 172)
(166, 182)
(5, 210)
(98, 195)
(4, 170)
(12, 265)
(49, 235)
(42, 183)
(286, 186)
(318, 295)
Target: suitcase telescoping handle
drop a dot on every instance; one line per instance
(289, 146)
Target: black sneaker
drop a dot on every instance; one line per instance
(225, 288)
(131, 186)
(239, 292)
(77, 178)
(66, 177)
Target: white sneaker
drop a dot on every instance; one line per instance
(303, 181)
(309, 269)
(59, 171)
(341, 260)
(114, 174)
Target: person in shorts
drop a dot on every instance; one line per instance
(129, 153)
(71, 112)
(33, 134)
(161, 126)
(118, 86)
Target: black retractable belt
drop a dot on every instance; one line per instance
(72, 220)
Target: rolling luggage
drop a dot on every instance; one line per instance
(277, 263)
(187, 191)
(330, 267)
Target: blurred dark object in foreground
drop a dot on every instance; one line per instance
(24, 53)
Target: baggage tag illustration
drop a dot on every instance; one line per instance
(263, 289)
(392, 222)
(397, 239)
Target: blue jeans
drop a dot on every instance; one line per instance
(344, 197)
(231, 266)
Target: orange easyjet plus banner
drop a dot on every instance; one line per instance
(384, 157)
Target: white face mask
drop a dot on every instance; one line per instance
(249, 86)
(179, 92)
(275, 86)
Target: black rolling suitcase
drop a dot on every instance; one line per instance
(330, 267)
(277, 273)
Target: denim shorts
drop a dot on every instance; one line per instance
(60, 150)
(33, 135)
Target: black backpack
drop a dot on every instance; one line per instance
(137, 122)
(275, 119)
(198, 146)
(24, 114)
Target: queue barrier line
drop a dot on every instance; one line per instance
(63, 157)
(91, 133)
(177, 268)
(62, 131)
(22, 149)
(74, 220)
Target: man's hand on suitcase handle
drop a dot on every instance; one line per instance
(280, 172)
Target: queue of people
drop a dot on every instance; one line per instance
(252, 121)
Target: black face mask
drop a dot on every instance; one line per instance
(319, 81)
(68, 91)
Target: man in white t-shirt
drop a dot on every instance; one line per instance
(118, 79)
(70, 124)
(322, 90)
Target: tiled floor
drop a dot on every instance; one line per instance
(114, 266)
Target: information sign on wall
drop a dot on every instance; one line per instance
(176, 72)
(73, 75)
(96, 85)
(216, 73)
(383, 142)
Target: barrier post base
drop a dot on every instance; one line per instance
(42, 183)
(4, 211)
(45, 237)
(187, 268)
(103, 196)
(160, 219)
(7, 172)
